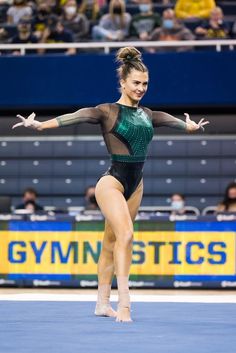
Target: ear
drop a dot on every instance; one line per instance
(122, 83)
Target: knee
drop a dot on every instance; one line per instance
(125, 239)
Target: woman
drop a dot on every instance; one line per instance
(127, 130)
(113, 25)
(229, 202)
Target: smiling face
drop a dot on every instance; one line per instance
(134, 86)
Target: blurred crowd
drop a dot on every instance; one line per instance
(68, 21)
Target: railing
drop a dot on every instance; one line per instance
(107, 46)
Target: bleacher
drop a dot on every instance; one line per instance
(61, 168)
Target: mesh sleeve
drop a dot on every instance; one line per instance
(164, 119)
(85, 115)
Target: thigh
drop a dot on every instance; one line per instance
(135, 200)
(110, 198)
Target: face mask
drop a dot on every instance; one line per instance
(168, 24)
(144, 8)
(177, 205)
(70, 10)
(92, 199)
(117, 10)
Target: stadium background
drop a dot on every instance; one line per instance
(200, 83)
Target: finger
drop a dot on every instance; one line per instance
(205, 123)
(31, 117)
(16, 125)
(200, 121)
(187, 116)
(20, 117)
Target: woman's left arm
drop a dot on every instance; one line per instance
(164, 119)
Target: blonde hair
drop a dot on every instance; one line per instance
(114, 3)
(129, 58)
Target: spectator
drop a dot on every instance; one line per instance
(234, 29)
(17, 11)
(90, 199)
(44, 10)
(56, 33)
(215, 28)
(177, 204)
(24, 35)
(76, 22)
(30, 196)
(197, 9)
(91, 9)
(115, 24)
(171, 29)
(144, 23)
(229, 202)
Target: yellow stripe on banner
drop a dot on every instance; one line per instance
(154, 253)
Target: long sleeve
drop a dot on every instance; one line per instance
(164, 119)
(84, 115)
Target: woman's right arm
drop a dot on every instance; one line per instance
(85, 115)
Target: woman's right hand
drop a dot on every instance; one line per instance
(28, 122)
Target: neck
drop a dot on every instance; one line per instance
(127, 101)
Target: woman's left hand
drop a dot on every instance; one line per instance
(192, 126)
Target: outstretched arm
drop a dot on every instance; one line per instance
(165, 119)
(85, 115)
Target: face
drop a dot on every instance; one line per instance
(29, 196)
(135, 85)
(176, 197)
(232, 193)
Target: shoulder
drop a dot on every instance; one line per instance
(147, 111)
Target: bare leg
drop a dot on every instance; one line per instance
(120, 215)
(105, 274)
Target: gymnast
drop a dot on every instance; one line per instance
(127, 130)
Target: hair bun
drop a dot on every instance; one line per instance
(128, 54)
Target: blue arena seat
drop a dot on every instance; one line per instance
(9, 186)
(160, 186)
(69, 148)
(228, 167)
(69, 167)
(9, 149)
(36, 167)
(203, 167)
(167, 167)
(204, 148)
(42, 185)
(228, 148)
(203, 186)
(9, 167)
(96, 149)
(68, 186)
(168, 148)
(36, 149)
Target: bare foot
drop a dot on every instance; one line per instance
(123, 315)
(105, 310)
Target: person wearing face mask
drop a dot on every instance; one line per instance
(144, 23)
(229, 201)
(76, 22)
(171, 30)
(44, 10)
(24, 35)
(114, 25)
(55, 32)
(215, 27)
(17, 11)
(177, 204)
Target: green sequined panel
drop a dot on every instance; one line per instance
(134, 128)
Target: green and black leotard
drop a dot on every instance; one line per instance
(127, 131)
